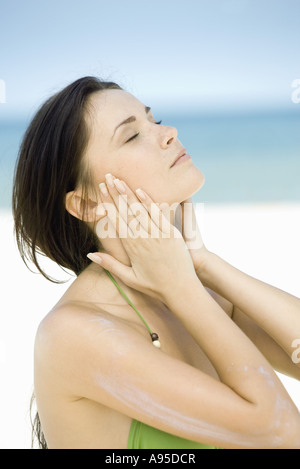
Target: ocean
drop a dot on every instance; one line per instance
(246, 158)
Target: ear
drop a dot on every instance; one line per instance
(85, 210)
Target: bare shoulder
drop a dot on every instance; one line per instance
(70, 318)
(57, 323)
(67, 331)
(226, 305)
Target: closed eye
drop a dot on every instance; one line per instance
(136, 135)
(132, 138)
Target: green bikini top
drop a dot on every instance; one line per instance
(142, 436)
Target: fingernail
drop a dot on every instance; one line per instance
(110, 180)
(141, 194)
(119, 185)
(103, 189)
(94, 257)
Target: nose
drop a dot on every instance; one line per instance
(169, 136)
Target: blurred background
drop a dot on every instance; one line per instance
(226, 73)
(221, 71)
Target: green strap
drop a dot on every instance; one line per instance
(128, 300)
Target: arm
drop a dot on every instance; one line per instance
(275, 355)
(268, 316)
(248, 408)
(274, 311)
(101, 358)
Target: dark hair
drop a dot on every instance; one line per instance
(50, 164)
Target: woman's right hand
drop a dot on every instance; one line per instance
(160, 260)
(192, 236)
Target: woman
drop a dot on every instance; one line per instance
(93, 171)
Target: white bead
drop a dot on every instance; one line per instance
(156, 343)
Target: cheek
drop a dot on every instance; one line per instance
(143, 172)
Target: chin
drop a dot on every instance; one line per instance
(184, 186)
(193, 183)
(199, 181)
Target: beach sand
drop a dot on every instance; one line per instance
(260, 239)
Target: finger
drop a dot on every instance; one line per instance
(107, 262)
(117, 224)
(136, 211)
(130, 210)
(145, 218)
(159, 222)
(137, 202)
(129, 220)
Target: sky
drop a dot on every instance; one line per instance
(201, 55)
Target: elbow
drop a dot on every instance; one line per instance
(287, 431)
(285, 437)
(279, 429)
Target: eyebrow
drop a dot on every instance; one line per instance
(131, 119)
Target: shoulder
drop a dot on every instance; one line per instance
(75, 332)
(58, 323)
(68, 331)
(75, 346)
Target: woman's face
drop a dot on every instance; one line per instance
(126, 141)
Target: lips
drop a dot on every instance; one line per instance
(182, 153)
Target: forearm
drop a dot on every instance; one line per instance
(275, 311)
(237, 361)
